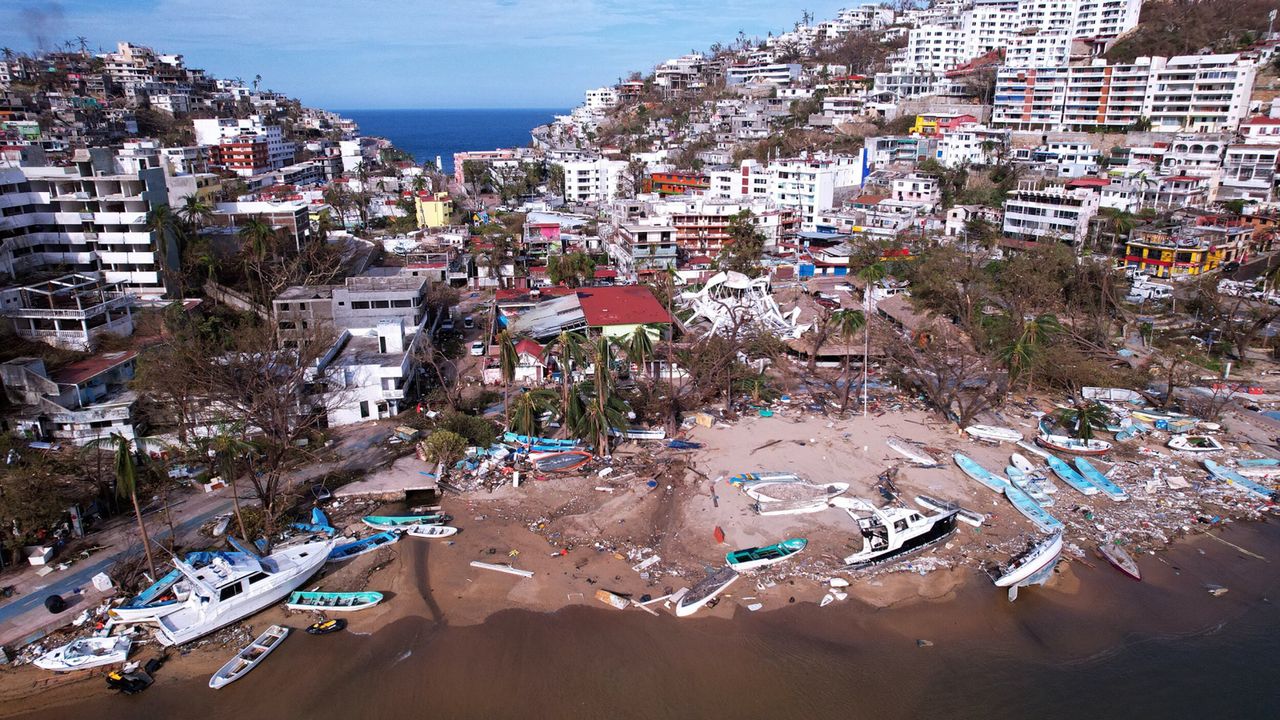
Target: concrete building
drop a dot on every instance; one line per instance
(592, 181)
(291, 219)
(1200, 93)
(645, 248)
(433, 210)
(601, 99)
(1249, 172)
(368, 372)
(247, 131)
(78, 403)
(72, 311)
(772, 74)
(361, 301)
(1049, 214)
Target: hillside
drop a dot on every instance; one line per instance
(1185, 27)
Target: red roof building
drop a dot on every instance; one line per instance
(621, 305)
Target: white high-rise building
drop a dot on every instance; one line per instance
(213, 131)
(592, 181)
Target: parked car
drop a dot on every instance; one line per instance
(468, 322)
(446, 326)
(477, 348)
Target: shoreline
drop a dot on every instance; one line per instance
(1081, 617)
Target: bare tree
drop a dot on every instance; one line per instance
(958, 381)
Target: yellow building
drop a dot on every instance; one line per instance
(433, 209)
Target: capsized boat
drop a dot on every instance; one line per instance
(993, 433)
(355, 548)
(1023, 503)
(758, 557)
(891, 532)
(1033, 561)
(705, 591)
(333, 601)
(1073, 446)
(1071, 477)
(249, 658)
(1228, 475)
(392, 522)
(979, 473)
(561, 461)
(915, 453)
(233, 586)
(430, 531)
(769, 476)
(962, 514)
(795, 507)
(778, 492)
(1120, 559)
(1195, 443)
(85, 653)
(1099, 480)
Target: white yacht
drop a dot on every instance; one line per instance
(891, 532)
(233, 586)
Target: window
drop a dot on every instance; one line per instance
(230, 591)
(258, 577)
(364, 408)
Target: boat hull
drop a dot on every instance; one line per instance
(1045, 556)
(942, 528)
(705, 591)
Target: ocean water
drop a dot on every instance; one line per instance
(428, 133)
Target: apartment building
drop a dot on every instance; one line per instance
(772, 74)
(1188, 250)
(601, 99)
(1200, 93)
(971, 144)
(245, 156)
(72, 311)
(85, 218)
(78, 403)
(368, 372)
(291, 218)
(592, 181)
(360, 301)
(217, 131)
(702, 223)
(646, 248)
(1249, 172)
(1049, 214)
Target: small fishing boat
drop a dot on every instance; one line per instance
(684, 445)
(249, 658)
(1258, 463)
(324, 627)
(85, 653)
(979, 473)
(549, 442)
(636, 433)
(362, 546)
(942, 506)
(561, 461)
(793, 507)
(1195, 443)
(1030, 485)
(915, 453)
(1034, 561)
(771, 476)
(1071, 477)
(892, 532)
(333, 601)
(993, 433)
(1099, 480)
(778, 492)
(1023, 503)
(1033, 472)
(1073, 446)
(758, 557)
(1232, 477)
(1120, 559)
(705, 591)
(1173, 422)
(393, 522)
(430, 531)
(1112, 395)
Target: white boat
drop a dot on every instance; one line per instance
(1195, 443)
(1031, 562)
(1113, 395)
(963, 515)
(916, 454)
(1034, 472)
(993, 433)
(746, 480)
(891, 532)
(794, 507)
(233, 586)
(248, 658)
(705, 591)
(1073, 446)
(431, 531)
(85, 653)
(779, 492)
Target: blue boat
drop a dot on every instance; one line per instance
(1070, 477)
(362, 546)
(1228, 475)
(312, 528)
(1023, 503)
(1095, 476)
(1258, 462)
(981, 474)
(683, 445)
(530, 440)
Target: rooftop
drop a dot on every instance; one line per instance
(82, 371)
(621, 305)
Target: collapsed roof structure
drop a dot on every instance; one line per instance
(731, 302)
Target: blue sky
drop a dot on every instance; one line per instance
(411, 53)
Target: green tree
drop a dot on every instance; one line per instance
(195, 212)
(476, 173)
(526, 413)
(1022, 350)
(444, 446)
(508, 358)
(574, 269)
(745, 249)
(1084, 417)
(639, 346)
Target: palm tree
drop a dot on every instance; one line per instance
(1020, 353)
(1083, 418)
(848, 323)
(603, 411)
(259, 238)
(195, 212)
(164, 222)
(526, 413)
(508, 358)
(339, 198)
(226, 447)
(570, 346)
(126, 467)
(639, 346)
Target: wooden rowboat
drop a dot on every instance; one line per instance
(249, 658)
